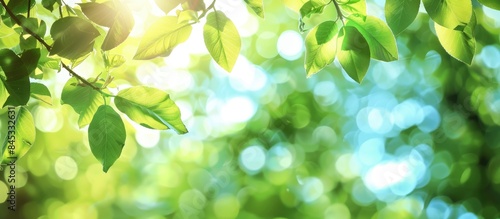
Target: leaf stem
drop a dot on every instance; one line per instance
(73, 73)
(29, 7)
(211, 6)
(339, 11)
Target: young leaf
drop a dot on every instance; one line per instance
(151, 108)
(257, 6)
(222, 40)
(452, 14)
(73, 37)
(106, 136)
(400, 14)
(196, 5)
(495, 4)
(83, 99)
(354, 54)
(41, 92)
(459, 44)
(168, 5)
(162, 37)
(321, 46)
(113, 15)
(24, 136)
(378, 35)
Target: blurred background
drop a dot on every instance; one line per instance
(419, 138)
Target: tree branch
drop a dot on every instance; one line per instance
(339, 11)
(30, 32)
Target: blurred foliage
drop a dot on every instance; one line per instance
(417, 139)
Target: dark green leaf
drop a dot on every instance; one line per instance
(106, 136)
(151, 108)
(495, 4)
(257, 6)
(162, 37)
(400, 14)
(83, 99)
(100, 13)
(12, 65)
(41, 92)
(222, 40)
(354, 54)
(378, 35)
(3, 94)
(321, 46)
(19, 91)
(452, 14)
(20, 6)
(459, 44)
(30, 59)
(73, 37)
(24, 136)
(49, 4)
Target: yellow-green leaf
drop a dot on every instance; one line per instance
(162, 37)
(378, 35)
(452, 14)
(459, 44)
(354, 54)
(23, 137)
(400, 14)
(222, 40)
(257, 6)
(151, 108)
(321, 46)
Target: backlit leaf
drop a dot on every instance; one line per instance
(400, 14)
(453, 14)
(459, 44)
(23, 138)
(257, 6)
(73, 37)
(222, 40)
(83, 99)
(321, 46)
(150, 107)
(354, 54)
(106, 136)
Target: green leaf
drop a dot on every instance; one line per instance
(378, 35)
(495, 4)
(257, 6)
(354, 7)
(12, 65)
(20, 6)
(311, 7)
(30, 59)
(113, 15)
(162, 37)
(19, 91)
(83, 99)
(116, 60)
(151, 108)
(187, 16)
(41, 92)
(400, 14)
(453, 14)
(168, 5)
(321, 46)
(73, 37)
(8, 36)
(106, 136)
(24, 136)
(459, 44)
(354, 55)
(222, 40)
(49, 4)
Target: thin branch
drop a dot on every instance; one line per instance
(339, 11)
(29, 6)
(73, 73)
